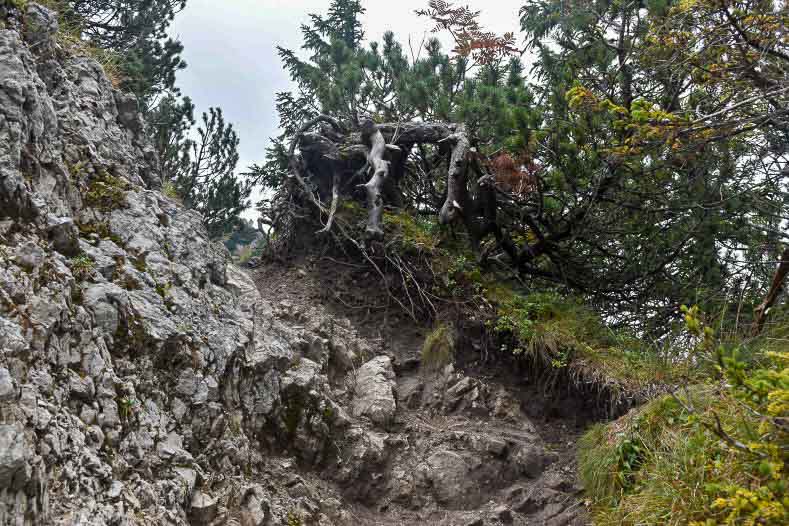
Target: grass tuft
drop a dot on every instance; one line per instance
(711, 454)
(439, 348)
(82, 267)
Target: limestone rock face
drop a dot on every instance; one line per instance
(140, 380)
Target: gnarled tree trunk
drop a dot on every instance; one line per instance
(341, 157)
(374, 139)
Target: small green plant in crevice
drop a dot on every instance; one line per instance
(294, 519)
(235, 424)
(76, 170)
(168, 250)
(438, 349)
(106, 192)
(82, 267)
(163, 288)
(140, 264)
(328, 415)
(100, 229)
(170, 190)
(126, 408)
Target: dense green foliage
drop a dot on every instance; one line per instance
(640, 164)
(627, 172)
(205, 179)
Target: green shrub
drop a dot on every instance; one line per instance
(19, 4)
(411, 232)
(294, 519)
(106, 192)
(101, 229)
(170, 190)
(163, 288)
(562, 333)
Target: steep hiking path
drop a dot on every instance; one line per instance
(466, 443)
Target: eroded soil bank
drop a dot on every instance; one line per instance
(470, 442)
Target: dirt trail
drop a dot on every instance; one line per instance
(472, 444)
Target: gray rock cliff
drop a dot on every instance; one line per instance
(132, 373)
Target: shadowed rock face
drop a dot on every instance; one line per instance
(144, 380)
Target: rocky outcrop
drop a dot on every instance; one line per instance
(138, 383)
(145, 380)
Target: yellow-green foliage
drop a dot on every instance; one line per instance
(101, 229)
(439, 348)
(19, 4)
(245, 253)
(350, 211)
(170, 190)
(714, 454)
(106, 192)
(411, 232)
(294, 519)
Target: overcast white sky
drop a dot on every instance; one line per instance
(230, 48)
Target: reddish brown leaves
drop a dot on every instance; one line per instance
(513, 176)
(471, 40)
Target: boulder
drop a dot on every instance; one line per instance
(374, 393)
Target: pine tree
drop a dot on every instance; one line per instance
(205, 178)
(603, 177)
(170, 123)
(136, 32)
(200, 171)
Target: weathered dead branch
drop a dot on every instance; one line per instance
(772, 295)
